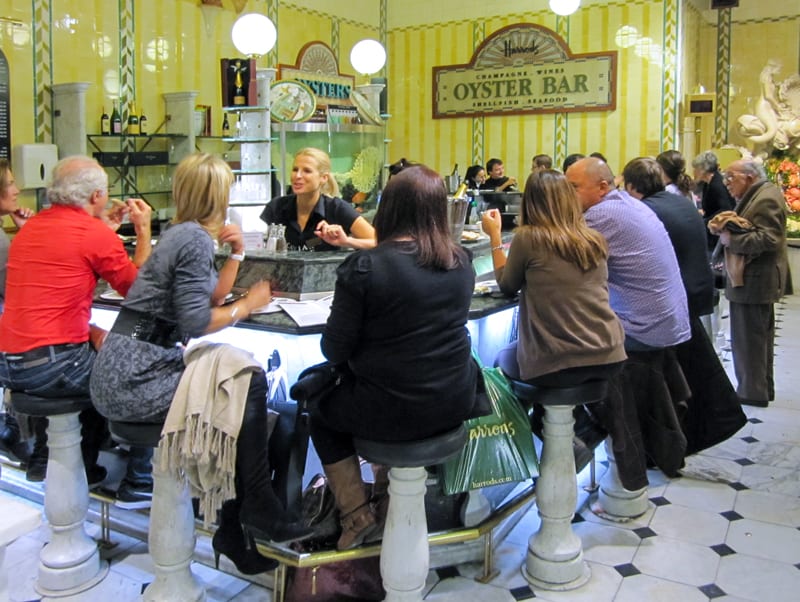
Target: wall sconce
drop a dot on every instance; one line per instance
(564, 7)
(254, 34)
(210, 10)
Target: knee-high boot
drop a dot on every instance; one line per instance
(262, 514)
(356, 515)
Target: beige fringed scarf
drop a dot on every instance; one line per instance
(203, 422)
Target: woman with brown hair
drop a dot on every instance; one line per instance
(568, 333)
(676, 180)
(397, 329)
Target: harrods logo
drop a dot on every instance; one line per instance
(525, 68)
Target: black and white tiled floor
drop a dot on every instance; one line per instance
(727, 530)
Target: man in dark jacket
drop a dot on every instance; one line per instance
(752, 310)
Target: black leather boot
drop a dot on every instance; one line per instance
(262, 514)
(229, 539)
(10, 440)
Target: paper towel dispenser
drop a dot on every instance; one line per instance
(32, 164)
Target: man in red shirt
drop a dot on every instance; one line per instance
(53, 267)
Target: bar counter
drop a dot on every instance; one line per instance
(276, 339)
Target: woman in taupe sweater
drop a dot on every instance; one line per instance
(568, 333)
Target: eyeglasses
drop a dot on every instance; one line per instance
(730, 175)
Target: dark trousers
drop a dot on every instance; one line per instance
(753, 347)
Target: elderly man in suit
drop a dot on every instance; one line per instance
(765, 274)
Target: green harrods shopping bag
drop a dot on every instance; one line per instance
(500, 446)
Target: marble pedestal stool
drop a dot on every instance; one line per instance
(171, 537)
(70, 563)
(405, 556)
(16, 519)
(614, 502)
(555, 553)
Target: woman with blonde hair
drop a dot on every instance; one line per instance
(568, 333)
(177, 295)
(314, 215)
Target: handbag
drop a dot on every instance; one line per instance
(500, 446)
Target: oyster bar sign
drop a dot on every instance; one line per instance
(525, 68)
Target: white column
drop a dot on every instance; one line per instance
(614, 501)
(171, 540)
(179, 112)
(555, 553)
(404, 552)
(70, 563)
(69, 118)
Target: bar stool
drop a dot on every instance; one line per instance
(404, 552)
(171, 538)
(70, 563)
(555, 553)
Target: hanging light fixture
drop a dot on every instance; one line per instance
(368, 57)
(254, 34)
(564, 7)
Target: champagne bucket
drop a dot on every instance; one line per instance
(456, 216)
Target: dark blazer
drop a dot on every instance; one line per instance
(715, 198)
(687, 233)
(765, 272)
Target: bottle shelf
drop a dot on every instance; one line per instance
(340, 128)
(244, 108)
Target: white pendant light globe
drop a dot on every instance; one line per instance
(564, 7)
(254, 34)
(368, 56)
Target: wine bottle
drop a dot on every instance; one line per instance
(461, 191)
(105, 123)
(142, 125)
(238, 93)
(133, 120)
(455, 173)
(116, 121)
(226, 127)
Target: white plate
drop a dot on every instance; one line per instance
(111, 295)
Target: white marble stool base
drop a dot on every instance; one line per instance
(171, 540)
(555, 553)
(70, 563)
(614, 502)
(404, 552)
(16, 519)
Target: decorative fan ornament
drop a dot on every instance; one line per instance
(318, 58)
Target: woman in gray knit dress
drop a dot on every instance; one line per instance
(178, 295)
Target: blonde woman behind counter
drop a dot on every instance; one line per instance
(316, 219)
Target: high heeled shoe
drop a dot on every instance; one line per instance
(231, 541)
(258, 526)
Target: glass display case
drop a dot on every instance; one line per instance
(357, 155)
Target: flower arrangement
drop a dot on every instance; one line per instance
(784, 172)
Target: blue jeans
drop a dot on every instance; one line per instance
(66, 372)
(139, 469)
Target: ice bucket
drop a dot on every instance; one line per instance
(456, 216)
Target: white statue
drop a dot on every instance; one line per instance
(776, 123)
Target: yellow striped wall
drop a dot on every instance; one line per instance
(173, 52)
